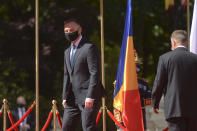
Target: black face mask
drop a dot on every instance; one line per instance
(71, 36)
(20, 105)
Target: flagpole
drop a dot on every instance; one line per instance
(188, 22)
(37, 61)
(102, 63)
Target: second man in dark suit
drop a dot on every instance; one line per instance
(176, 79)
(82, 86)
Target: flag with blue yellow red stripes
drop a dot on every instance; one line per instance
(126, 93)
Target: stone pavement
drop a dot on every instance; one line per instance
(156, 122)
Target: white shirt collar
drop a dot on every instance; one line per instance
(180, 46)
(77, 43)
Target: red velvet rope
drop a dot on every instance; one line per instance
(114, 119)
(47, 122)
(59, 119)
(12, 120)
(1, 111)
(166, 129)
(22, 118)
(98, 117)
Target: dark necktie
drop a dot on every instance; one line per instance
(73, 49)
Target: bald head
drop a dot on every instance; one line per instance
(179, 38)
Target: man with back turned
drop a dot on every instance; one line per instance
(176, 79)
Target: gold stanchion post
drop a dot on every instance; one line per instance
(54, 114)
(5, 114)
(37, 61)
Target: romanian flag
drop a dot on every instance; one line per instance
(126, 93)
(169, 4)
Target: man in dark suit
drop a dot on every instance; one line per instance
(82, 86)
(176, 79)
(29, 123)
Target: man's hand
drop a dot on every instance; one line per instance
(156, 110)
(25, 127)
(89, 103)
(64, 103)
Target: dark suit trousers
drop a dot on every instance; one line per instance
(73, 113)
(182, 124)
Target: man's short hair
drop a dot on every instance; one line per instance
(72, 20)
(21, 100)
(179, 36)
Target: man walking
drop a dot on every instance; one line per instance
(82, 86)
(176, 79)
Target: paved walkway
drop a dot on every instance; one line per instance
(156, 122)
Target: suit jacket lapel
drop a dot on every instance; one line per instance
(77, 52)
(68, 60)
